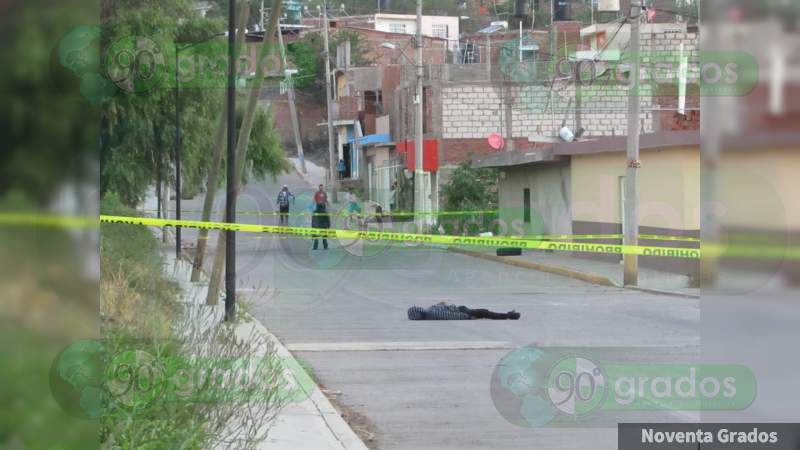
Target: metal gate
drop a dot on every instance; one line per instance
(381, 182)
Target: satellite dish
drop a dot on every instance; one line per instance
(496, 141)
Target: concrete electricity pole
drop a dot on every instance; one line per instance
(332, 159)
(292, 106)
(419, 175)
(631, 222)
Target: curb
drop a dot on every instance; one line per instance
(661, 292)
(339, 428)
(570, 273)
(345, 435)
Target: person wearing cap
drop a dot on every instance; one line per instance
(283, 203)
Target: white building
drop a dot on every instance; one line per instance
(445, 27)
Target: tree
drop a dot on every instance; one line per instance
(242, 144)
(49, 128)
(309, 59)
(471, 189)
(139, 132)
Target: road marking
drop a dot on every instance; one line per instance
(398, 346)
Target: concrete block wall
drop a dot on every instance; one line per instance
(660, 48)
(474, 111)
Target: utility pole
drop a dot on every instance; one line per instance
(292, 106)
(631, 231)
(332, 159)
(230, 201)
(177, 154)
(488, 54)
(553, 34)
(419, 174)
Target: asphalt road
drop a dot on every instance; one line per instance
(429, 384)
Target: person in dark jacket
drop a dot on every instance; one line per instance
(446, 311)
(321, 219)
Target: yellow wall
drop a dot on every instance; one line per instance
(669, 188)
(758, 189)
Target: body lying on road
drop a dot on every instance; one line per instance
(446, 311)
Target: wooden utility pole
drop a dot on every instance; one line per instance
(631, 222)
(216, 162)
(292, 106)
(239, 157)
(332, 155)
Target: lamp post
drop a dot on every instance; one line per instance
(178, 49)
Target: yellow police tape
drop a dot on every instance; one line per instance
(742, 249)
(48, 220)
(687, 253)
(560, 237)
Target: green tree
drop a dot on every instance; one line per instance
(309, 59)
(49, 128)
(138, 135)
(471, 189)
(306, 59)
(139, 126)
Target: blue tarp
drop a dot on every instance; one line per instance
(372, 139)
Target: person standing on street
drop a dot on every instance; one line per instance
(340, 167)
(393, 197)
(321, 197)
(322, 220)
(283, 203)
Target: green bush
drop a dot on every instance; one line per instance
(469, 189)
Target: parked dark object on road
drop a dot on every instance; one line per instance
(446, 311)
(509, 252)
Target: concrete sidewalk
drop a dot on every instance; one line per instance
(313, 423)
(314, 176)
(592, 271)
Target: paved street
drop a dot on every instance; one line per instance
(427, 384)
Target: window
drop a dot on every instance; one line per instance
(397, 28)
(526, 213)
(440, 30)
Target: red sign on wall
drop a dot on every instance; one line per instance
(430, 154)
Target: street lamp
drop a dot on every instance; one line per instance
(178, 49)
